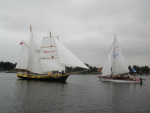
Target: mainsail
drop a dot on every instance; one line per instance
(120, 66)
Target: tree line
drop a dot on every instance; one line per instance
(92, 69)
(139, 70)
(6, 66)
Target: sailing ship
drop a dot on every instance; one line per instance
(115, 68)
(46, 61)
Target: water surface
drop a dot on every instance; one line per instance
(81, 94)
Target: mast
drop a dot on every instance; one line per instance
(113, 54)
(49, 33)
(31, 28)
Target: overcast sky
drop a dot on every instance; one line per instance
(86, 27)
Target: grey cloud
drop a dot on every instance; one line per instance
(86, 27)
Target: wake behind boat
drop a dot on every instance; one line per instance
(115, 68)
(45, 61)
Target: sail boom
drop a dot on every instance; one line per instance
(121, 73)
(20, 69)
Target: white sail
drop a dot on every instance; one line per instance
(115, 63)
(22, 62)
(106, 71)
(49, 65)
(48, 48)
(48, 41)
(49, 57)
(33, 62)
(66, 57)
(119, 66)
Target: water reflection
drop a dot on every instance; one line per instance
(123, 97)
(81, 94)
(39, 96)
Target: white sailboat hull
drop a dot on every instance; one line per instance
(120, 81)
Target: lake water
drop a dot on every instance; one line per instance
(81, 94)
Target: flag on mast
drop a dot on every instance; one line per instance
(21, 43)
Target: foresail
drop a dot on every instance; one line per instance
(33, 62)
(106, 71)
(120, 65)
(22, 62)
(66, 57)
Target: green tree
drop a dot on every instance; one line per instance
(130, 69)
(137, 68)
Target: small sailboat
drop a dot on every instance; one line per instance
(115, 68)
(45, 61)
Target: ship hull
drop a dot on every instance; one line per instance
(121, 81)
(57, 78)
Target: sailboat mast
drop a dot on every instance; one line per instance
(30, 28)
(49, 33)
(113, 54)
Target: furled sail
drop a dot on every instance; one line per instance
(119, 66)
(22, 62)
(33, 56)
(66, 57)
